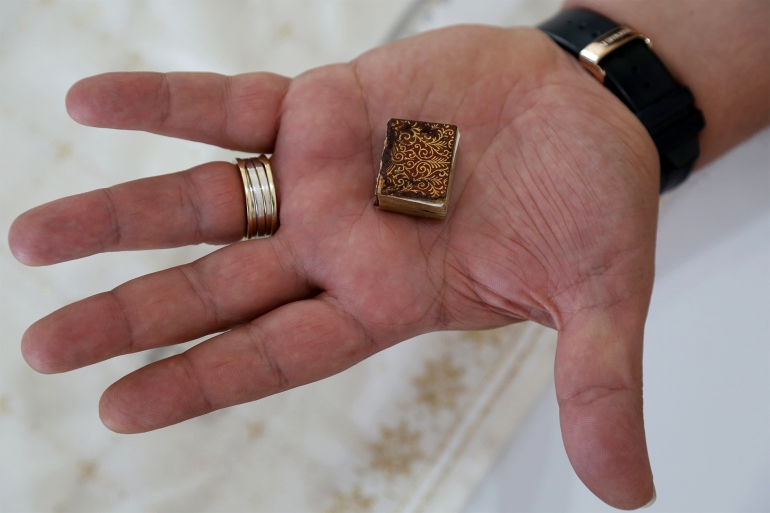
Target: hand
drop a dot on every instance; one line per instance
(552, 218)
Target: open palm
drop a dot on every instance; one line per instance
(552, 218)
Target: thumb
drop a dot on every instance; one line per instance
(599, 388)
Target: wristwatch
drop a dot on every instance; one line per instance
(622, 59)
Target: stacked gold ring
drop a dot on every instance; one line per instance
(261, 200)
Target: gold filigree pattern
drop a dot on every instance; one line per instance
(354, 501)
(440, 385)
(396, 450)
(417, 159)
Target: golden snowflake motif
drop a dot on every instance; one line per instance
(87, 471)
(255, 429)
(354, 501)
(440, 385)
(396, 451)
(495, 338)
(482, 338)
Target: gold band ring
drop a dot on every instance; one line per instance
(261, 199)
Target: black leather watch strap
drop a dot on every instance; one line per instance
(637, 76)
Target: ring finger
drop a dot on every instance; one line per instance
(203, 204)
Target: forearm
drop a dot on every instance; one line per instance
(719, 49)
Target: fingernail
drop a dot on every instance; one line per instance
(652, 501)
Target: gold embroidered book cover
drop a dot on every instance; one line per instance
(416, 169)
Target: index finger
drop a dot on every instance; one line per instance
(239, 112)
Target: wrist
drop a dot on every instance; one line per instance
(727, 75)
(621, 59)
(587, 100)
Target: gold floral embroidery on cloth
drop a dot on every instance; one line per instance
(434, 424)
(396, 450)
(441, 385)
(354, 501)
(420, 159)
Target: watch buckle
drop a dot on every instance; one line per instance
(602, 46)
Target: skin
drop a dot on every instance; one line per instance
(552, 219)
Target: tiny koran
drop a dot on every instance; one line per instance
(415, 175)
